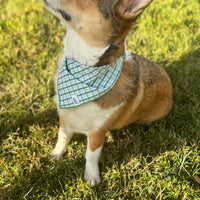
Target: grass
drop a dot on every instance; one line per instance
(157, 161)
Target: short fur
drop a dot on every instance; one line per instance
(96, 32)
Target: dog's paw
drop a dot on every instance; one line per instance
(57, 154)
(92, 179)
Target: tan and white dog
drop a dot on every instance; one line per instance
(96, 32)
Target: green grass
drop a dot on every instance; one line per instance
(157, 161)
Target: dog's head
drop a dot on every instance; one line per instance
(101, 24)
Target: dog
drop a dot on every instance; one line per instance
(117, 88)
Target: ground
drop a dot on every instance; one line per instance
(156, 161)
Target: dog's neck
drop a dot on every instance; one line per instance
(76, 48)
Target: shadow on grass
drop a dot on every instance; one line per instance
(49, 179)
(181, 127)
(49, 118)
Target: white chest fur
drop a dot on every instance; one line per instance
(86, 118)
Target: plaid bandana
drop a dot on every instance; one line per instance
(78, 84)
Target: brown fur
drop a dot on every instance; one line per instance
(126, 87)
(96, 140)
(62, 123)
(146, 89)
(121, 23)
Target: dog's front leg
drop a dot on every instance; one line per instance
(64, 137)
(94, 147)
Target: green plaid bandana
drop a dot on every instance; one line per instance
(79, 84)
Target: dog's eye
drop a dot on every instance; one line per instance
(65, 15)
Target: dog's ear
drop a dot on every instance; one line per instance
(130, 9)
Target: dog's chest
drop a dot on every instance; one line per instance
(86, 118)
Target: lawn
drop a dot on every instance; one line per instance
(156, 161)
